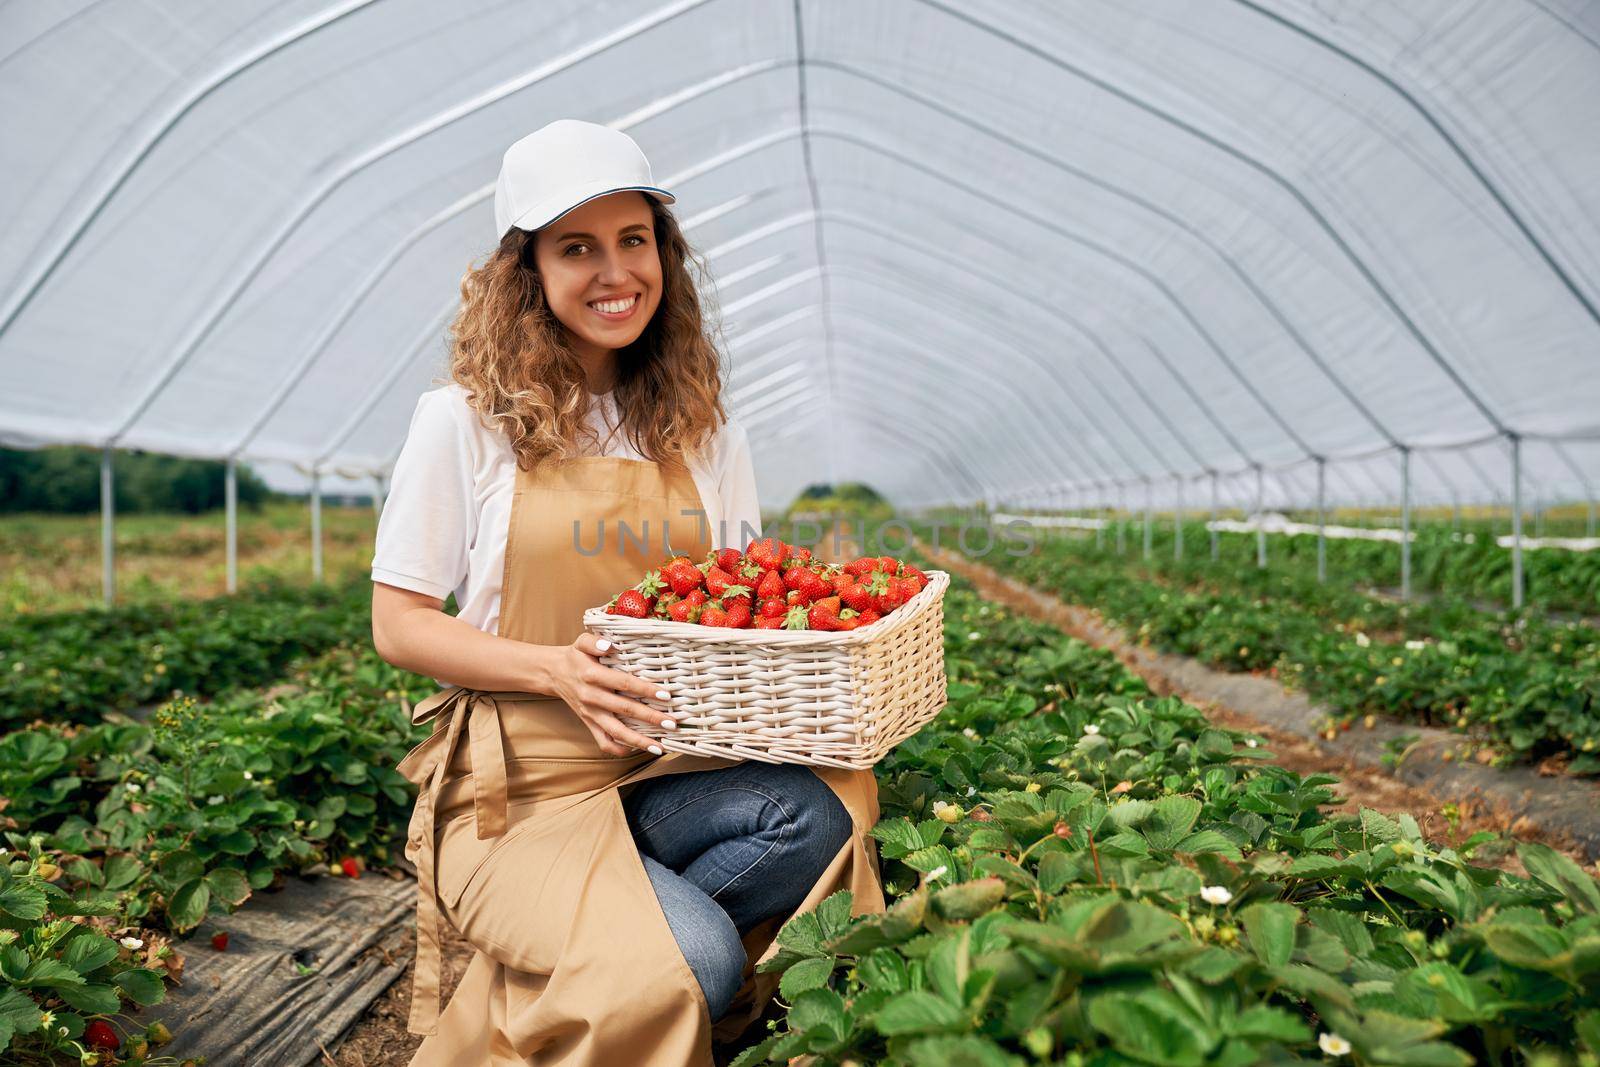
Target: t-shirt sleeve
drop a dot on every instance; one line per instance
(430, 517)
(736, 485)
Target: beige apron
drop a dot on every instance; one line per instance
(522, 829)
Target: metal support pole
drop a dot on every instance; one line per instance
(1261, 530)
(1405, 524)
(1177, 522)
(377, 495)
(108, 521)
(1216, 538)
(230, 496)
(1322, 519)
(316, 526)
(1538, 516)
(1149, 494)
(1100, 513)
(1516, 521)
(1122, 511)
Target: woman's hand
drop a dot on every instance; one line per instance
(600, 694)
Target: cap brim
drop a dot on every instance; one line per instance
(541, 215)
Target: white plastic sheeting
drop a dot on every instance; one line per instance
(1026, 252)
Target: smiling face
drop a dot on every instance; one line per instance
(601, 273)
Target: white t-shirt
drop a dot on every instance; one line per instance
(444, 523)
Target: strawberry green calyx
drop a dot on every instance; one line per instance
(798, 618)
(651, 584)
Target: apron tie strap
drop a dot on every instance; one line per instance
(487, 755)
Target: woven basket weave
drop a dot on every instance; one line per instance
(788, 696)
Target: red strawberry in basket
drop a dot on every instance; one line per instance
(907, 570)
(738, 616)
(856, 597)
(767, 623)
(697, 597)
(682, 575)
(728, 559)
(718, 581)
(632, 603)
(737, 596)
(797, 619)
(713, 614)
(770, 585)
(811, 585)
(869, 617)
(824, 614)
(801, 554)
(767, 553)
(773, 608)
(684, 610)
(863, 566)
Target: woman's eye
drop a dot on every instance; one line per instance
(636, 237)
(569, 248)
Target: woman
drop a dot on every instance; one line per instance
(619, 897)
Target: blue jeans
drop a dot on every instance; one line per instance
(729, 848)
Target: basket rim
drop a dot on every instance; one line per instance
(938, 581)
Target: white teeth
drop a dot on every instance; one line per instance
(614, 306)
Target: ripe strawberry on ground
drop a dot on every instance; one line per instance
(767, 553)
(100, 1034)
(219, 941)
(632, 603)
(351, 867)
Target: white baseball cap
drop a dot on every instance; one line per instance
(563, 164)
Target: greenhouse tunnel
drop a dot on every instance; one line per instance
(1181, 254)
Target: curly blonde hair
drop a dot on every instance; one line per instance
(509, 353)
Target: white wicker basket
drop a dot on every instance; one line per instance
(789, 696)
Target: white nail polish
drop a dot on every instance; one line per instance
(662, 694)
(602, 644)
(668, 724)
(656, 749)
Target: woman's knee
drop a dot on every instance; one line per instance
(818, 811)
(706, 936)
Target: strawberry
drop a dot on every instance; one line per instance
(863, 566)
(869, 617)
(802, 554)
(751, 569)
(908, 570)
(682, 576)
(718, 581)
(632, 603)
(770, 585)
(824, 614)
(773, 608)
(697, 597)
(812, 586)
(915, 583)
(713, 614)
(351, 867)
(856, 596)
(849, 624)
(767, 553)
(684, 611)
(738, 616)
(890, 565)
(651, 584)
(793, 597)
(840, 580)
(220, 941)
(663, 608)
(797, 619)
(767, 623)
(728, 559)
(737, 596)
(99, 1034)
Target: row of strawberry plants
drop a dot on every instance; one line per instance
(78, 664)
(1521, 687)
(1081, 874)
(1466, 562)
(120, 837)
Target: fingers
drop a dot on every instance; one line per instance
(592, 644)
(621, 733)
(603, 740)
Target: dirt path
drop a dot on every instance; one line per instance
(1451, 800)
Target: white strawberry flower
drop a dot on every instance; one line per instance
(248, 776)
(1251, 742)
(1333, 1045)
(1215, 894)
(218, 799)
(132, 944)
(938, 872)
(1362, 639)
(970, 732)
(133, 787)
(1091, 729)
(1416, 646)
